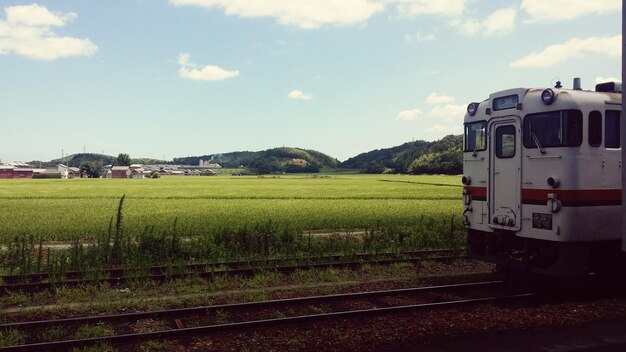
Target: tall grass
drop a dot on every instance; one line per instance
(246, 243)
(181, 220)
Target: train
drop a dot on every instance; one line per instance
(542, 173)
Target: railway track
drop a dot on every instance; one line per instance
(205, 320)
(116, 276)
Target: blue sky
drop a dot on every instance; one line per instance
(171, 78)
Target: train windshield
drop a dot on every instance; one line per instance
(553, 129)
(475, 136)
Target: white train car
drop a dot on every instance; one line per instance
(542, 179)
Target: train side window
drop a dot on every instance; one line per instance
(475, 136)
(611, 129)
(505, 141)
(553, 129)
(595, 128)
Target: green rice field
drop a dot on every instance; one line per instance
(62, 210)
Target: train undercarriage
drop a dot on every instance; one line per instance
(512, 253)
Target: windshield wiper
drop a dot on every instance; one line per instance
(475, 153)
(536, 140)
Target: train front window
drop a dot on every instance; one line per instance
(475, 136)
(553, 129)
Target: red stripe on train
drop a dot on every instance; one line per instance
(568, 197)
(574, 196)
(477, 192)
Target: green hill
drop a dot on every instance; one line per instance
(75, 159)
(276, 160)
(439, 157)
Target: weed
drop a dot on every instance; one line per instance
(91, 331)
(319, 309)
(279, 314)
(402, 266)
(14, 299)
(54, 333)
(222, 317)
(11, 337)
(330, 275)
(101, 347)
(426, 264)
(264, 279)
(154, 346)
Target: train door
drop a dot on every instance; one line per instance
(505, 174)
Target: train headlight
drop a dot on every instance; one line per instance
(553, 204)
(472, 108)
(466, 180)
(547, 96)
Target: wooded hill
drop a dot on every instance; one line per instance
(290, 160)
(420, 157)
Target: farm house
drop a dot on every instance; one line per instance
(120, 172)
(68, 171)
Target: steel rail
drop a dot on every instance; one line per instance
(202, 330)
(160, 269)
(241, 306)
(37, 286)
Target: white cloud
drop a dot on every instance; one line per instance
(500, 22)
(195, 72)
(300, 13)
(470, 27)
(26, 32)
(419, 37)
(607, 79)
(448, 112)
(410, 115)
(299, 95)
(610, 46)
(435, 99)
(445, 116)
(447, 119)
(35, 15)
(497, 23)
(560, 10)
(447, 8)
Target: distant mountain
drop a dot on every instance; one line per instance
(439, 157)
(290, 160)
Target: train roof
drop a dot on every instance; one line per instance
(527, 100)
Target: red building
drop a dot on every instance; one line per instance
(9, 171)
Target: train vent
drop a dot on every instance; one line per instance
(609, 87)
